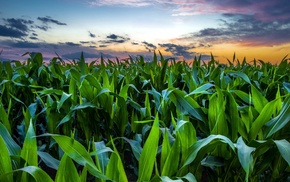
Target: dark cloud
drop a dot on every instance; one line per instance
(15, 28)
(150, 47)
(92, 35)
(113, 38)
(247, 30)
(102, 45)
(178, 50)
(25, 44)
(43, 27)
(84, 42)
(134, 43)
(33, 38)
(72, 44)
(19, 24)
(11, 32)
(48, 19)
(34, 34)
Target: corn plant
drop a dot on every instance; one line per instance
(142, 120)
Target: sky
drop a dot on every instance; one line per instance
(183, 29)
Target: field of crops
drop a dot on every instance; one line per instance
(139, 120)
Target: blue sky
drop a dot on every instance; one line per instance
(178, 28)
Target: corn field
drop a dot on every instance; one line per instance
(139, 120)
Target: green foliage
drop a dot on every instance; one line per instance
(139, 120)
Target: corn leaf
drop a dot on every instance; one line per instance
(279, 121)
(245, 156)
(172, 161)
(284, 149)
(115, 169)
(259, 100)
(67, 170)
(37, 173)
(187, 104)
(78, 153)
(197, 146)
(48, 160)
(202, 89)
(5, 162)
(29, 149)
(148, 155)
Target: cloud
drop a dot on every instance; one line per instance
(84, 42)
(136, 3)
(263, 9)
(102, 45)
(178, 50)
(33, 38)
(43, 27)
(11, 32)
(113, 38)
(19, 24)
(15, 28)
(134, 43)
(92, 35)
(72, 44)
(149, 46)
(48, 19)
(245, 30)
(24, 44)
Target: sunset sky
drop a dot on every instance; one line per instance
(182, 29)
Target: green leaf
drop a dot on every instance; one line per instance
(197, 146)
(78, 153)
(187, 104)
(63, 98)
(67, 170)
(148, 155)
(48, 160)
(245, 157)
(284, 149)
(5, 161)
(135, 146)
(202, 89)
(187, 134)
(279, 121)
(262, 119)
(29, 149)
(4, 117)
(172, 161)
(13, 147)
(115, 169)
(259, 100)
(240, 74)
(101, 153)
(37, 173)
(165, 149)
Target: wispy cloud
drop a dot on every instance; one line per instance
(149, 46)
(48, 19)
(136, 3)
(71, 44)
(179, 50)
(92, 35)
(245, 30)
(113, 38)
